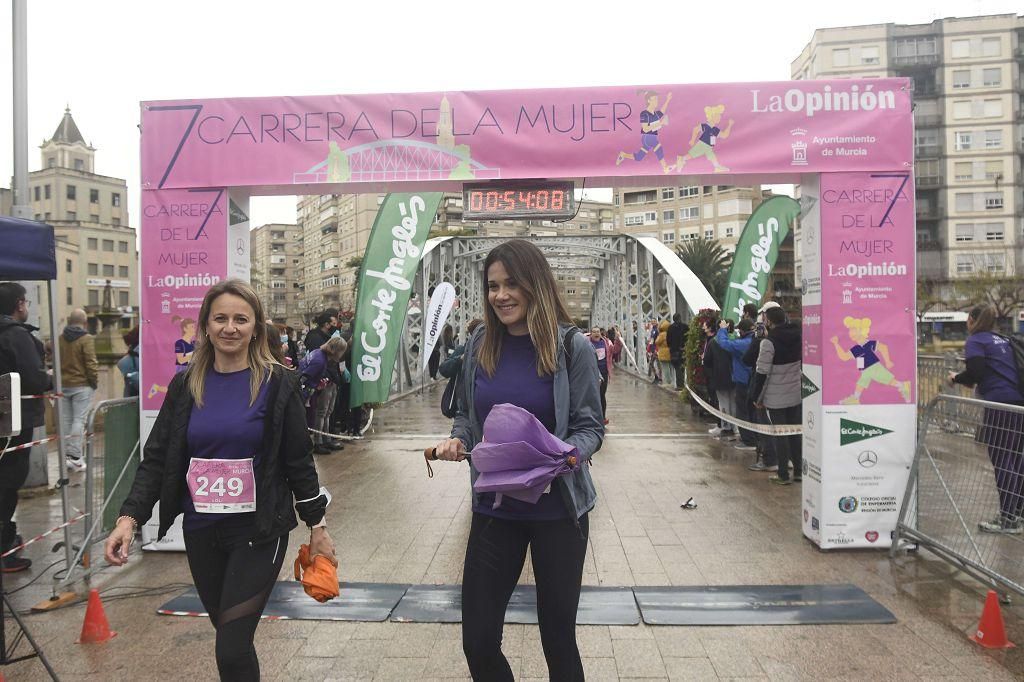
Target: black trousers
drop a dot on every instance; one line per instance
(604, 392)
(787, 448)
(234, 580)
(494, 559)
(13, 472)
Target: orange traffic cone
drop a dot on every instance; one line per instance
(95, 628)
(991, 632)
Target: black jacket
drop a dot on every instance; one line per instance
(676, 339)
(286, 470)
(717, 367)
(23, 353)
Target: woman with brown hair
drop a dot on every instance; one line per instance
(230, 450)
(992, 372)
(526, 353)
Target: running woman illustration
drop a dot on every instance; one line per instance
(651, 121)
(184, 346)
(705, 137)
(867, 352)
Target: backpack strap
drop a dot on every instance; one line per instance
(567, 346)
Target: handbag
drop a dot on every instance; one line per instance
(448, 398)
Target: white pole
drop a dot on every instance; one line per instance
(19, 42)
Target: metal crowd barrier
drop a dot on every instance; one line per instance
(114, 470)
(933, 377)
(968, 470)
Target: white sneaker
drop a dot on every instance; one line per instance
(75, 463)
(716, 431)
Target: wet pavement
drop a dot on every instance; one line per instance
(393, 524)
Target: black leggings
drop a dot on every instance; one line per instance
(234, 580)
(494, 559)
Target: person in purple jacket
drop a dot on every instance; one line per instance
(312, 376)
(528, 354)
(993, 373)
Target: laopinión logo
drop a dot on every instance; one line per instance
(853, 432)
(848, 504)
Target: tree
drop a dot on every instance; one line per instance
(1003, 293)
(709, 261)
(929, 295)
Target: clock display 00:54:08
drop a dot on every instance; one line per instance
(517, 201)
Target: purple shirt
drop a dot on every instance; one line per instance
(867, 351)
(1000, 382)
(516, 381)
(226, 427)
(709, 134)
(650, 118)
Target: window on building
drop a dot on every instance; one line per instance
(963, 171)
(115, 199)
(570, 292)
(35, 192)
(964, 201)
(961, 79)
(994, 232)
(841, 57)
(729, 232)
(668, 193)
(108, 245)
(46, 191)
(635, 219)
(79, 165)
(122, 246)
(691, 191)
(707, 189)
(615, 198)
(965, 232)
(116, 222)
(869, 55)
(108, 270)
(94, 296)
(71, 215)
(926, 142)
(70, 189)
(991, 47)
(915, 47)
(668, 237)
(689, 213)
(122, 299)
(992, 108)
(122, 271)
(964, 140)
(67, 265)
(961, 49)
(46, 216)
(94, 196)
(962, 109)
(709, 233)
(992, 78)
(993, 169)
(51, 162)
(993, 200)
(69, 296)
(668, 216)
(651, 217)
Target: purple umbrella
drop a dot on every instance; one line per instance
(518, 456)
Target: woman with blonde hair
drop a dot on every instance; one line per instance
(873, 360)
(529, 354)
(230, 451)
(705, 137)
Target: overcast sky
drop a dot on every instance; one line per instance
(102, 57)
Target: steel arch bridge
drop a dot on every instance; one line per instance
(391, 160)
(636, 279)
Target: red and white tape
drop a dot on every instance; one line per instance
(25, 446)
(51, 396)
(37, 538)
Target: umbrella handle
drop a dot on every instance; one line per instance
(430, 455)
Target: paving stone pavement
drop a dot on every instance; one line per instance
(393, 524)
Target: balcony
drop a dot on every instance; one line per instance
(928, 120)
(928, 212)
(929, 245)
(930, 180)
(916, 60)
(331, 228)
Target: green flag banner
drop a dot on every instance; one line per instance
(385, 284)
(756, 253)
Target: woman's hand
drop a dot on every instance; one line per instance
(451, 450)
(952, 378)
(115, 550)
(320, 542)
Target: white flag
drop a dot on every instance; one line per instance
(434, 317)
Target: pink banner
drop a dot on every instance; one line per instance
(868, 287)
(183, 253)
(392, 140)
(811, 334)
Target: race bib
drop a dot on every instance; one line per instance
(222, 486)
(860, 362)
(712, 140)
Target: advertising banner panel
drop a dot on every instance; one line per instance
(392, 140)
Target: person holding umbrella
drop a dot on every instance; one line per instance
(527, 354)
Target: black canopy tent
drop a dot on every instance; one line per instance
(28, 252)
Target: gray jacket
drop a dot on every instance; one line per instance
(777, 378)
(577, 413)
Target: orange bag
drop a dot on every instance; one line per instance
(319, 577)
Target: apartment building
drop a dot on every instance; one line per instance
(276, 252)
(968, 88)
(88, 211)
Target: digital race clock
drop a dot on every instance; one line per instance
(536, 199)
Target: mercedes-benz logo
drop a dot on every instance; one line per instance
(810, 421)
(867, 459)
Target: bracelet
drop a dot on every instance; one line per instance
(135, 524)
